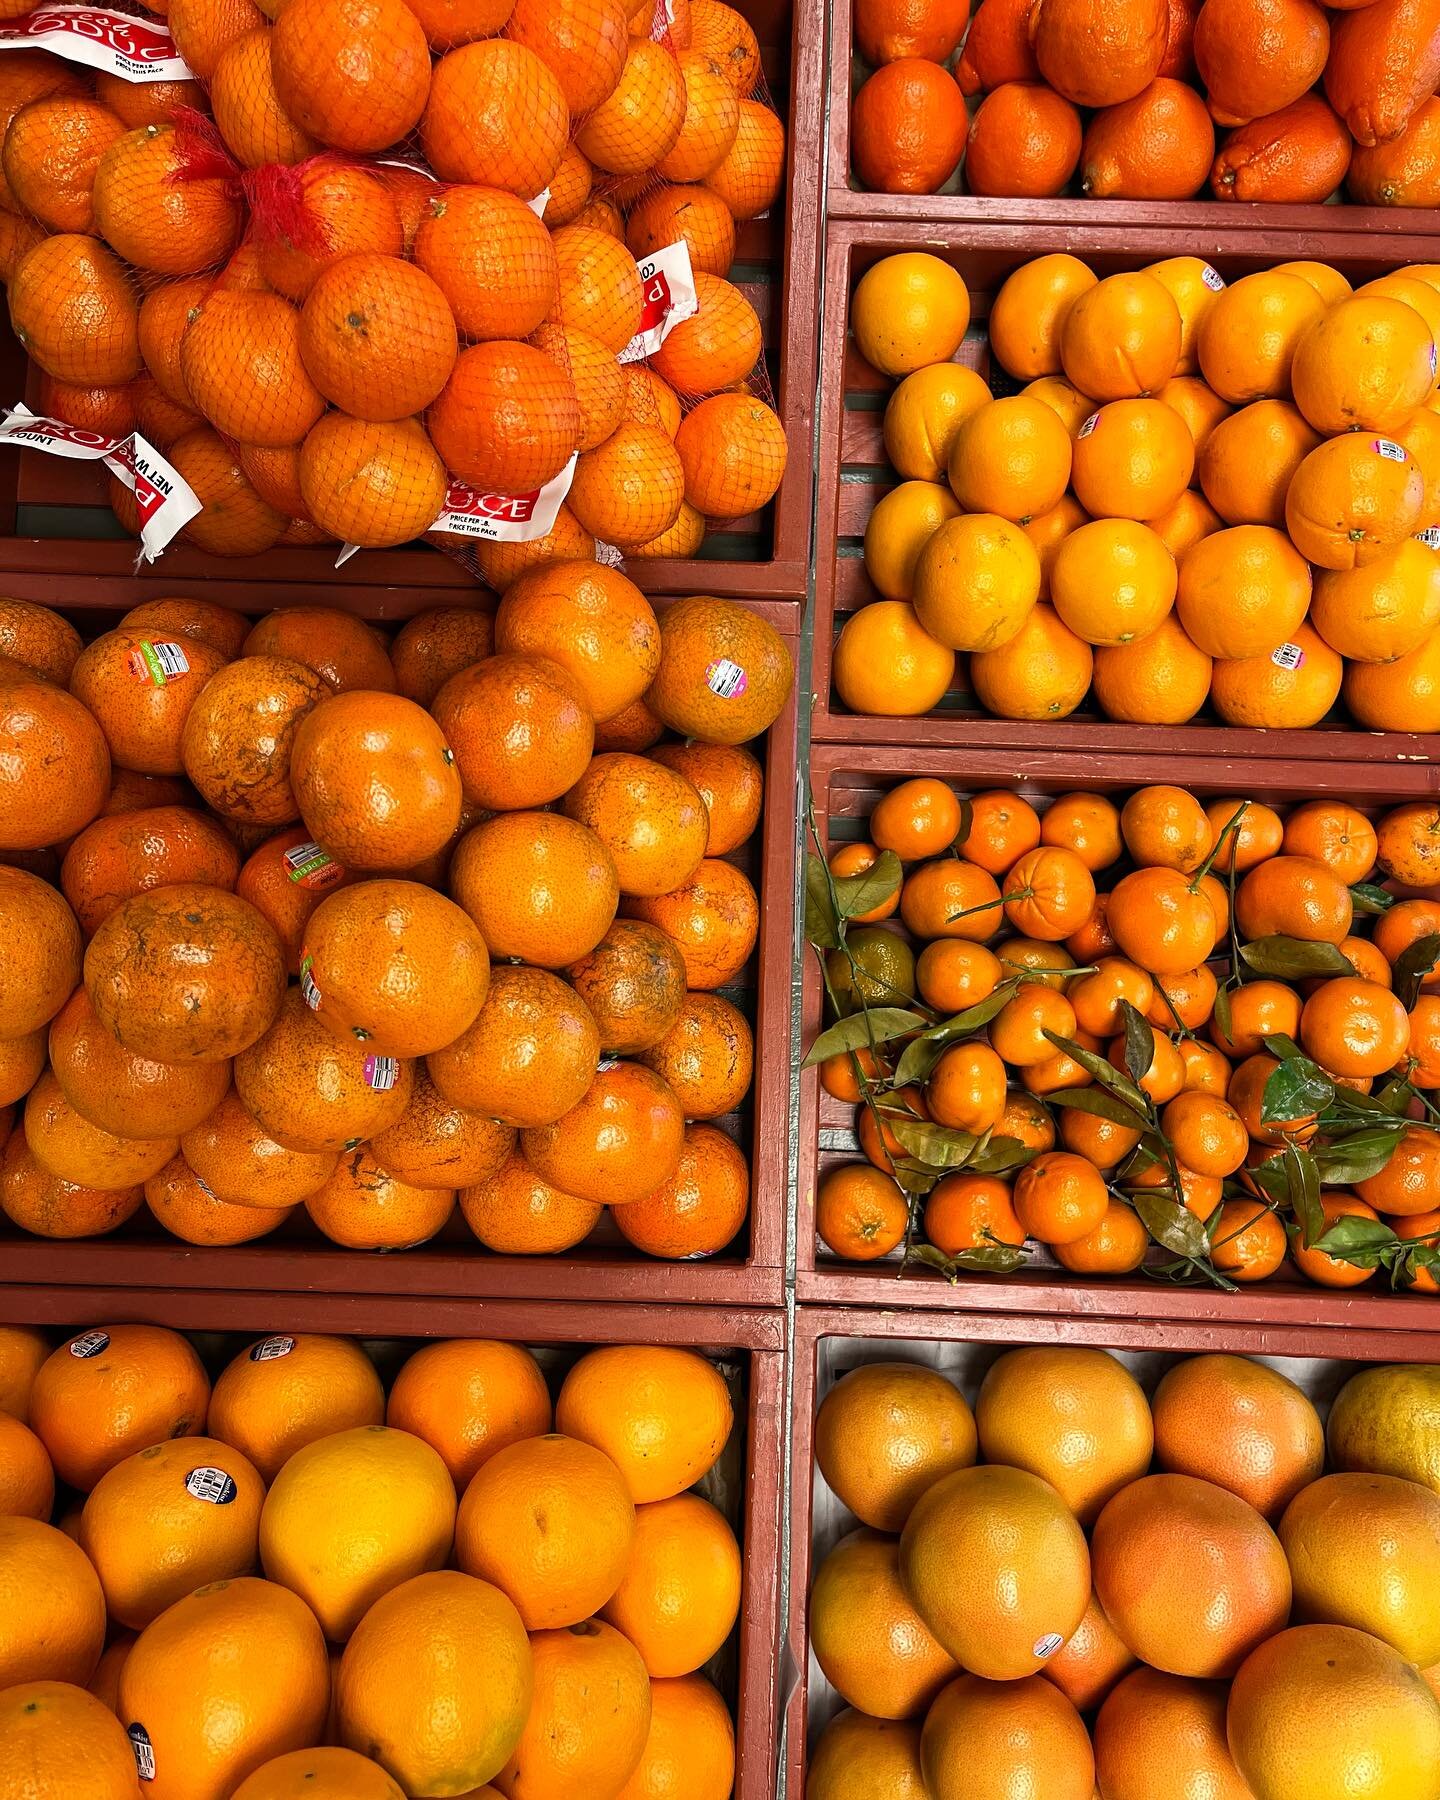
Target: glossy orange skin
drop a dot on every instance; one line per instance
(129, 853)
(56, 771)
(617, 1143)
(131, 1096)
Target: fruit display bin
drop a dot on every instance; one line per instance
(854, 474)
(748, 1347)
(749, 1272)
(846, 782)
(55, 516)
(829, 1341)
(847, 198)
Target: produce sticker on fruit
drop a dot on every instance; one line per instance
(113, 42)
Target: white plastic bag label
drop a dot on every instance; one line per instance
(668, 284)
(497, 518)
(166, 501)
(114, 42)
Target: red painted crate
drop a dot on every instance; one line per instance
(854, 473)
(846, 782)
(55, 517)
(847, 198)
(831, 1340)
(749, 1346)
(750, 1272)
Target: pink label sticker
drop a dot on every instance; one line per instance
(1287, 656)
(381, 1073)
(117, 43)
(726, 679)
(667, 284)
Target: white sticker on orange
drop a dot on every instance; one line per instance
(1287, 656)
(271, 1348)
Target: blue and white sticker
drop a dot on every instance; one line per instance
(90, 1343)
(269, 1349)
(144, 1751)
(210, 1484)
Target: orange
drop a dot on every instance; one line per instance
(156, 217)
(661, 1415)
(507, 420)
(23, 1351)
(257, 1685)
(700, 1208)
(1185, 1001)
(1029, 314)
(437, 644)
(168, 1519)
(1018, 1032)
(592, 621)
(38, 1201)
(1258, 1010)
(328, 84)
(57, 1739)
(909, 311)
(1366, 366)
(54, 286)
(950, 898)
(1113, 581)
(1247, 462)
(496, 116)
(1161, 922)
(590, 1718)
(1043, 672)
(1028, 1555)
(886, 663)
(617, 1143)
(365, 1206)
(641, 121)
(1241, 1425)
(529, 1020)
(436, 1680)
(436, 1144)
(714, 919)
(925, 411)
(1409, 843)
(1011, 457)
(1099, 61)
(680, 1593)
(1333, 833)
(967, 1088)
(1026, 1120)
(344, 651)
(1133, 460)
(1023, 140)
(1404, 1188)
(1248, 337)
(860, 1213)
(690, 1751)
(730, 782)
(1352, 499)
(351, 1515)
(1088, 824)
(1048, 893)
(1206, 1070)
(54, 1610)
(1166, 827)
(1354, 1027)
(143, 719)
(376, 335)
(1099, 1141)
(493, 263)
(1206, 1133)
(1005, 1736)
(325, 1774)
(1242, 592)
(1090, 1662)
(1319, 1265)
(468, 1399)
(1295, 896)
(1077, 1418)
(285, 1392)
(1158, 1728)
(1328, 1705)
(980, 554)
(971, 1212)
(697, 690)
(241, 361)
(919, 818)
(27, 1481)
(109, 1392)
(1059, 1197)
(1382, 610)
(1048, 962)
(517, 1213)
(1246, 1095)
(1199, 1194)
(1191, 1575)
(1049, 532)
(908, 128)
(1121, 338)
(235, 1158)
(885, 1433)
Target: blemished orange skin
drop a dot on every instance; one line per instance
(285, 879)
(375, 780)
(346, 210)
(567, 1740)
(40, 966)
(633, 983)
(143, 721)
(530, 1021)
(591, 619)
(690, 214)
(128, 853)
(365, 1207)
(621, 1140)
(520, 728)
(244, 1167)
(67, 1145)
(435, 645)
(438, 1144)
(143, 1386)
(650, 818)
(517, 1213)
(309, 1091)
(224, 627)
(239, 735)
(343, 650)
(188, 1209)
(128, 1095)
(39, 1202)
(714, 918)
(38, 639)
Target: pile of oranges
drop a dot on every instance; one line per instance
(1203, 1037)
(375, 248)
(1201, 492)
(1164, 1592)
(1121, 99)
(300, 915)
(295, 1587)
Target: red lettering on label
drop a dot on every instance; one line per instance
(515, 509)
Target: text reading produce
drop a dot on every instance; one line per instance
(1183, 497)
(295, 1586)
(1135, 1031)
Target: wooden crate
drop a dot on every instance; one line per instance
(846, 198)
(55, 518)
(854, 473)
(751, 1272)
(846, 783)
(829, 1340)
(748, 1345)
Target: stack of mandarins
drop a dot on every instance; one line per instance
(1121, 99)
(1164, 1591)
(1201, 492)
(320, 337)
(1139, 1029)
(293, 1587)
(300, 915)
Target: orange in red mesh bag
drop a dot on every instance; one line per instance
(74, 309)
(582, 42)
(599, 290)
(752, 175)
(640, 121)
(491, 258)
(718, 345)
(694, 216)
(570, 188)
(448, 23)
(234, 520)
(373, 484)
(311, 214)
(202, 28)
(725, 35)
(377, 337)
(137, 103)
(24, 79)
(631, 487)
(51, 154)
(240, 359)
(508, 419)
(733, 450)
(712, 119)
(600, 386)
(166, 198)
(248, 112)
(497, 116)
(353, 73)
(165, 315)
